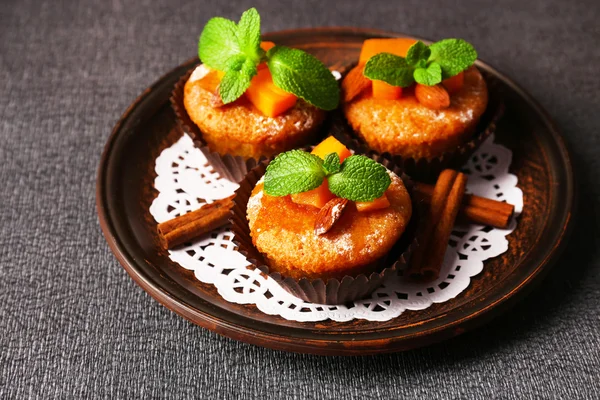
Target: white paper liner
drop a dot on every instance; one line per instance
(185, 181)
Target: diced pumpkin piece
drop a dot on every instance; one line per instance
(211, 80)
(268, 98)
(266, 46)
(377, 204)
(455, 83)
(385, 91)
(331, 145)
(317, 197)
(397, 46)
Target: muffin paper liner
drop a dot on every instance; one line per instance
(424, 169)
(230, 167)
(320, 291)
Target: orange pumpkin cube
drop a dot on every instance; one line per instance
(377, 204)
(268, 98)
(317, 197)
(266, 46)
(385, 91)
(455, 83)
(397, 46)
(331, 145)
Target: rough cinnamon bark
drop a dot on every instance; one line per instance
(189, 226)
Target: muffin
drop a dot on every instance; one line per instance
(284, 232)
(284, 228)
(408, 128)
(252, 99)
(242, 129)
(429, 106)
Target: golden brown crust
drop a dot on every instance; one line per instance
(240, 129)
(407, 128)
(284, 232)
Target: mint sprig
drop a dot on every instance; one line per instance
(331, 164)
(427, 65)
(453, 55)
(358, 178)
(293, 172)
(235, 50)
(389, 68)
(218, 43)
(304, 75)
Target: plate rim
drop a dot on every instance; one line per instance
(507, 297)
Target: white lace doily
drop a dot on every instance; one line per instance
(185, 181)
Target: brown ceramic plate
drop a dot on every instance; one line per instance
(125, 191)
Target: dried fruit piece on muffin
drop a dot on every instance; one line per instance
(337, 239)
(424, 100)
(272, 98)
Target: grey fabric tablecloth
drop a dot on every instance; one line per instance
(74, 325)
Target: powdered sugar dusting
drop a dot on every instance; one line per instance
(200, 72)
(254, 203)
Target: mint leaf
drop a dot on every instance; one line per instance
(218, 43)
(389, 68)
(237, 78)
(332, 163)
(292, 172)
(418, 54)
(432, 75)
(304, 75)
(453, 55)
(360, 179)
(249, 35)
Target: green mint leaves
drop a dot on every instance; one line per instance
(237, 79)
(249, 35)
(390, 69)
(418, 54)
(453, 55)
(431, 75)
(358, 178)
(235, 49)
(427, 65)
(218, 43)
(304, 75)
(331, 164)
(292, 172)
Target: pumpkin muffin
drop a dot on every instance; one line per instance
(251, 98)
(283, 228)
(406, 127)
(241, 129)
(415, 100)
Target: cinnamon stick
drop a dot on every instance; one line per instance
(189, 226)
(474, 208)
(437, 205)
(446, 201)
(432, 264)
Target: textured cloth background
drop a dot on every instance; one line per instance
(74, 325)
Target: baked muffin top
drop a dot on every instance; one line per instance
(405, 126)
(284, 232)
(241, 121)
